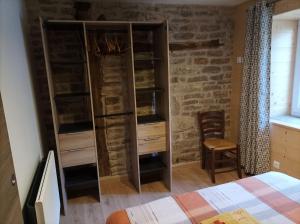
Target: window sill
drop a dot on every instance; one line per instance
(286, 121)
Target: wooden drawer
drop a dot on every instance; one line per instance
(77, 140)
(152, 144)
(78, 157)
(151, 129)
(151, 137)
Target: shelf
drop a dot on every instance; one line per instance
(70, 95)
(151, 164)
(80, 175)
(144, 26)
(147, 90)
(75, 127)
(151, 169)
(109, 30)
(65, 26)
(114, 115)
(147, 59)
(68, 62)
(110, 126)
(139, 47)
(149, 119)
(81, 180)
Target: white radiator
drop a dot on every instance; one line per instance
(47, 204)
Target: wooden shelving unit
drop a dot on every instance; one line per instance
(153, 126)
(75, 137)
(80, 154)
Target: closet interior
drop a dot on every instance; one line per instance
(109, 88)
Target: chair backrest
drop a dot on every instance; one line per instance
(212, 124)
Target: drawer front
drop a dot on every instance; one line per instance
(152, 129)
(76, 140)
(78, 157)
(151, 144)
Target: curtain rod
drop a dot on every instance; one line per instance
(272, 2)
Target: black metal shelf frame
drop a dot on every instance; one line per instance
(75, 127)
(147, 59)
(68, 62)
(149, 119)
(70, 95)
(114, 115)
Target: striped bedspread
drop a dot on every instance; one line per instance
(272, 198)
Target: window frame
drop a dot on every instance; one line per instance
(295, 109)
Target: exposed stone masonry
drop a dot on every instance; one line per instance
(200, 79)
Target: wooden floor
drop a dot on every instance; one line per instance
(119, 194)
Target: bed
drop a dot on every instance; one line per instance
(272, 198)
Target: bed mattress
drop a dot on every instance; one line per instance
(272, 198)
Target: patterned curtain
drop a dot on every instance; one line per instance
(255, 95)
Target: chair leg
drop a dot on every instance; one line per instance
(204, 158)
(221, 157)
(212, 166)
(208, 157)
(238, 162)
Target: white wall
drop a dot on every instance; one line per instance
(17, 95)
(284, 37)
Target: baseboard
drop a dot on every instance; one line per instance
(120, 177)
(125, 176)
(186, 163)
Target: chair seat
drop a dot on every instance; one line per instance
(219, 144)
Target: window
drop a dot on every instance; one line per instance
(296, 90)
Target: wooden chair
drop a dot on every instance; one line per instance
(215, 149)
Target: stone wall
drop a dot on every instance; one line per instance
(110, 93)
(200, 78)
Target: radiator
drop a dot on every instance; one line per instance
(47, 204)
